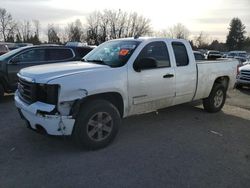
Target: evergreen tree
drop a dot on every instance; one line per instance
(235, 37)
(53, 35)
(18, 38)
(35, 39)
(10, 38)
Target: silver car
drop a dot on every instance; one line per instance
(243, 77)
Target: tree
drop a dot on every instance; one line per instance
(93, 27)
(179, 31)
(216, 45)
(247, 44)
(137, 25)
(162, 33)
(75, 31)
(34, 39)
(53, 35)
(24, 28)
(112, 24)
(235, 37)
(28, 31)
(37, 26)
(201, 40)
(18, 38)
(7, 25)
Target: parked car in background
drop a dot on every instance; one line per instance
(240, 55)
(243, 77)
(13, 61)
(3, 49)
(198, 56)
(212, 55)
(224, 54)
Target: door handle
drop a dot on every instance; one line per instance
(168, 76)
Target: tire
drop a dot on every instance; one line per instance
(96, 125)
(238, 86)
(1, 92)
(216, 99)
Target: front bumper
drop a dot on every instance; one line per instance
(53, 124)
(242, 82)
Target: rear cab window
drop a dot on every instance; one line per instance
(180, 53)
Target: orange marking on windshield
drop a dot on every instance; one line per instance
(123, 52)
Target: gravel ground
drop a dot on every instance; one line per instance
(180, 146)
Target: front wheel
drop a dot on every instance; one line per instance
(216, 99)
(96, 125)
(238, 86)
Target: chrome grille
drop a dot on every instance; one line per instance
(245, 75)
(26, 91)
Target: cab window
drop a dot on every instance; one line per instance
(158, 51)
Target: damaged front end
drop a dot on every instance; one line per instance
(40, 117)
(48, 107)
(37, 104)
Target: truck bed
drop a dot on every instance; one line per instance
(207, 73)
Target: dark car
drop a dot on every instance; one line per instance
(12, 62)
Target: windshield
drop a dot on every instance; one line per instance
(112, 53)
(10, 53)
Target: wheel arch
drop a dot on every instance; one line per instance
(224, 80)
(114, 98)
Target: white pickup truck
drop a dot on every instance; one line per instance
(120, 78)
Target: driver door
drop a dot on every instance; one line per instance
(154, 88)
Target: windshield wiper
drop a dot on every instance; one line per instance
(96, 61)
(84, 60)
(92, 60)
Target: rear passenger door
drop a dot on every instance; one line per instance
(185, 73)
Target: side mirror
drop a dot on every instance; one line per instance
(145, 63)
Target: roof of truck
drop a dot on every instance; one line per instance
(140, 39)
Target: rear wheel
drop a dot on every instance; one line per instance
(1, 92)
(96, 125)
(216, 99)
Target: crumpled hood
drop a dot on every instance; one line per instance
(45, 73)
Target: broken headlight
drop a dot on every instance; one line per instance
(47, 93)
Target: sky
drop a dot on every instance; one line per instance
(209, 16)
